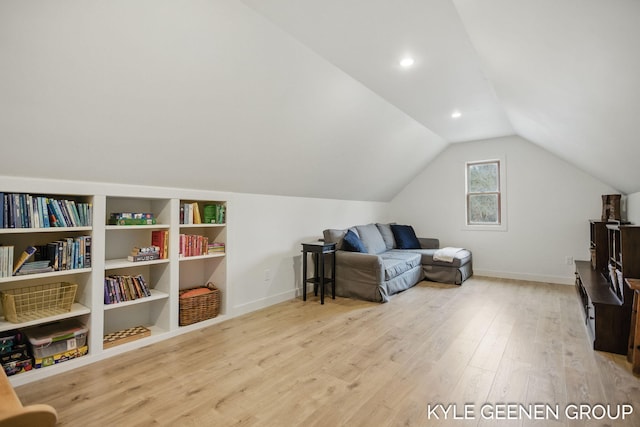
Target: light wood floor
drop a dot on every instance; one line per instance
(356, 363)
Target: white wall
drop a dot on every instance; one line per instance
(266, 237)
(549, 203)
(633, 207)
(158, 89)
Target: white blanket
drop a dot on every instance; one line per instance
(446, 254)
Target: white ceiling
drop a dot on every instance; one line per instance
(306, 98)
(564, 74)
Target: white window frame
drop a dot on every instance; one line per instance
(502, 200)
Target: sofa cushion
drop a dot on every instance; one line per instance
(405, 237)
(352, 242)
(461, 258)
(333, 235)
(387, 235)
(395, 263)
(371, 238)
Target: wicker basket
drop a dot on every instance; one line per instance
(35, 302)
(199, 307)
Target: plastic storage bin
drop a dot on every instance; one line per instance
(55, 338)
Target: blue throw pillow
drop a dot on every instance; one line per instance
(405, 237)
(352, 243)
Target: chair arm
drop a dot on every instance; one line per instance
(13, 414)
(367, 263)
(429, 243)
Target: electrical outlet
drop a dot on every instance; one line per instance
(568, 260)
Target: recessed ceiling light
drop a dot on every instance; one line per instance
(407, 62)
(456, 114)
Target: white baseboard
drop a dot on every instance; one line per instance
(561, 280)
(248, 307)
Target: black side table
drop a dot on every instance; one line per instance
(318, 250)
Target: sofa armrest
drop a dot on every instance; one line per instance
(429, 243)
(369, 264)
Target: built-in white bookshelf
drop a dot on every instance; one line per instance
(194, 270)
(110, 246)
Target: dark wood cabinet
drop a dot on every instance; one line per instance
(615, 255)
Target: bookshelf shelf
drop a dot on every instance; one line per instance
(136, 227)
(155, 295)
(52, 274)
(110, 246)
(202, 225)
(76, 310)
(156, 335)
(193, 258)
(112, 264)
(43, 230)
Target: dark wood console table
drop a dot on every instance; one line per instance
(633, 355)
(606, 317)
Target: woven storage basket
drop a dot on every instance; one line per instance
(199, 307)
(35, 302)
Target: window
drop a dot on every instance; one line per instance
(484, 193)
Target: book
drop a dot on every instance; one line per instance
(196, 214)
(28, 253)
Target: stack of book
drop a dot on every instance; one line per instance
(132, 218)
(19, 210)
(193, 245)
(124, 288)
(6, 261)
(35, 267)
(215, 248)
(147, 253)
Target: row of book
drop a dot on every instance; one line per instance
(124, 288)
(19, 210)
(6, 261)
(212, 214)
(195, 245)
(65, 254)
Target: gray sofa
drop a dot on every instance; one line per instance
(385, 267)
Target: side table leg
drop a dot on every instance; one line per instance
(636, 343)
(333, 275)
(632, 329)
(304, 276)
(321, 280)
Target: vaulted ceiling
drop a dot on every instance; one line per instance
(307, 97)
